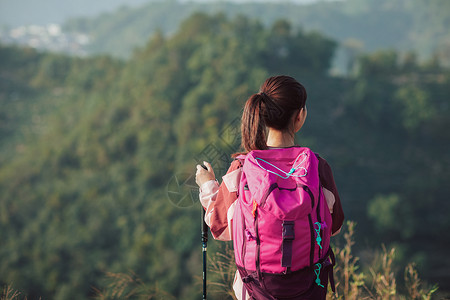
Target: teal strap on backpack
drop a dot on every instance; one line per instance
(317, 272)
(318, 238)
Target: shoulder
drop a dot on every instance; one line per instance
(322, 161)
(325, 172)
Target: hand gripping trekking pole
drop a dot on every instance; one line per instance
(204, 246)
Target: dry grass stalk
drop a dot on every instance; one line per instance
(351, 283)
(130, 286)
(414, 285)
(223, 269)
(9, 294)
(384, 281)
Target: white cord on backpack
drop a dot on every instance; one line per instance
(291, 172)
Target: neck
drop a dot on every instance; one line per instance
(280, 139)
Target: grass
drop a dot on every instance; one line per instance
(379, 283)
(351, 283)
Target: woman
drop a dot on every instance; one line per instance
(269, 122)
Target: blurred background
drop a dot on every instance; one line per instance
(107, 106)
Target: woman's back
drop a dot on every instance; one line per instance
(278, 202)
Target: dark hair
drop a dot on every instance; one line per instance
(279, 98)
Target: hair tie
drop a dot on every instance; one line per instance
(272, 108)
(264, 97)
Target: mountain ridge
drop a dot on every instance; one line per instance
(357, 25)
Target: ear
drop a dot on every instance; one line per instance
(300, 118)
(303, 113)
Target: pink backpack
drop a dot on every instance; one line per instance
(282, 226)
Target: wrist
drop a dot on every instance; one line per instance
(205, 179)
(208, 185)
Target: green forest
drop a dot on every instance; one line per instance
(96, 152)
(358, 25)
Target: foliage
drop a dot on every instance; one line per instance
(94, 143)
(93, 151)
(414, 25)
(9, 293)
(351, 282)
(221, 270)
(129, 286)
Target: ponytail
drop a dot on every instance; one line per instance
(253, 127)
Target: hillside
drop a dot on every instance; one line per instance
(358, 25)
(90, 148)
(15, 13)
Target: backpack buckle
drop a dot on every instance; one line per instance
(286, 246)
(288, 230)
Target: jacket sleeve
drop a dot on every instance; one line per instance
(219, 202)
(331, 194)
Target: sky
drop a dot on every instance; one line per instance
(14, 13)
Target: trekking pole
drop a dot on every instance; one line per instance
(204, 248)
(204, 245)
